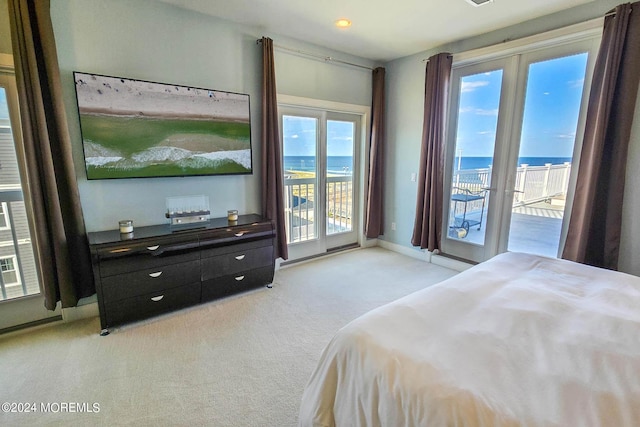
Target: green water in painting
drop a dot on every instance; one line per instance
(129, 136)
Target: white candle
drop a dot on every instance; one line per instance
(126, 226)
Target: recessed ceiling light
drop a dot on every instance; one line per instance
(343, 23)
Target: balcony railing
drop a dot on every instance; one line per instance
(532, 183)
(300, 220)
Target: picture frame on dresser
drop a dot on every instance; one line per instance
(159, 269)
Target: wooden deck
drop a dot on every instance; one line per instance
(534, 229)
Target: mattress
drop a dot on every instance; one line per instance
(519, 340)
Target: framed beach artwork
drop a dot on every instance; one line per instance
(138, 129)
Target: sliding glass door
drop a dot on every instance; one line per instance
(512, 143)
(320, 157)
(539, 180)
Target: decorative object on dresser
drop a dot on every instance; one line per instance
(160, 268)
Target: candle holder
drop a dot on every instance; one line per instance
(187, 210)
(126, 226)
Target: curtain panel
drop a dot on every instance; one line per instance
(427, 228)
(596, 217)
(374, 224)
(62, 249)
(272, 175)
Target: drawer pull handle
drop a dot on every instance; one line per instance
(158, 298)
(153, 248)
(157, 274)
(240, 257)
(239, 278)
(240, 234)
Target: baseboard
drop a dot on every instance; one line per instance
(451, 263)
(369, 243)
(31, 326)
(298, 261)
(86, 311)
(405, 250)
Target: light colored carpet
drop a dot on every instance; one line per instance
(241, 361)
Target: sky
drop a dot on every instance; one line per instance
(552, 102)
(299, 137)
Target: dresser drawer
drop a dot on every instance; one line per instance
(142, 282)
(236, 234)
(141, 255)
(233, 283)
(236, 262)
(238, 247)
(144, 306)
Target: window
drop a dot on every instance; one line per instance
(321, 146)
(4, 218)
(9, 271)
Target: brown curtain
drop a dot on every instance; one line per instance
(596, 217)
(272, 177)
(61, 243)
(374, 226)
(427, 227)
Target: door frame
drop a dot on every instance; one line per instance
(526, 59)
(509, 126)
(359, 175)
(464, 249)
(27, 309)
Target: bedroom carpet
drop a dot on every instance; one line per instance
(240, 361)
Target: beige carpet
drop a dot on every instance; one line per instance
(241, 361)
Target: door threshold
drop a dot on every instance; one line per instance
(332, 251)
(30, 324)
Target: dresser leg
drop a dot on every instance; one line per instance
(104, 332)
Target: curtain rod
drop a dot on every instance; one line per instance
(317, 55)
(613, 12)
(426, 60)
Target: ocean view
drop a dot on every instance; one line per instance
(337, 164)
(484, 162)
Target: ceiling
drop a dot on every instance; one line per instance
(381, 30)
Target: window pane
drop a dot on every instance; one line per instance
(3, 217)
(339, 175)
(552, 106)
(19, 261)
(6, 264)
(475, 144)
(299, 139)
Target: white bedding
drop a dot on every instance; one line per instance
(519, 340)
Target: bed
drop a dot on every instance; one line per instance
(519, 340)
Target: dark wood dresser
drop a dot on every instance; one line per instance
(161, 268)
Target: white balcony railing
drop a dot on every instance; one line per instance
(532, 183)
(300, 221)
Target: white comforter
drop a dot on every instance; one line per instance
(519, 340)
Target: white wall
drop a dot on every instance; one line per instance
(405, 98)
(154, 41)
